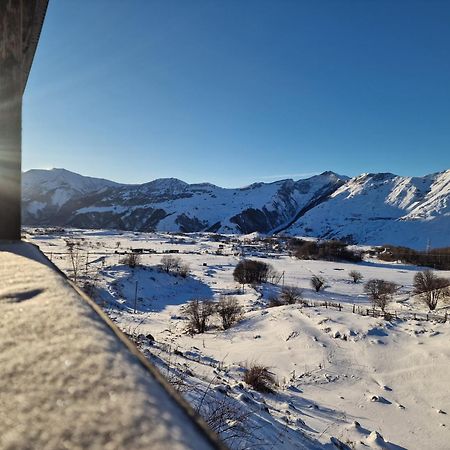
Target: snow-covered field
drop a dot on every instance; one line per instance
(344, 380)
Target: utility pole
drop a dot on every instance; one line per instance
(135, 296)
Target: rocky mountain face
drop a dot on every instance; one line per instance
(371, 208)
(384, 208)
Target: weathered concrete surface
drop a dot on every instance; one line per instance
(20, 26)
(67, 380)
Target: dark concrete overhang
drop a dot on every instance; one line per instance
(33, 18)
(20, 26)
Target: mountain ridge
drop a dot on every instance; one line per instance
(326, 205)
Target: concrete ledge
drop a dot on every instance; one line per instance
(68, 377)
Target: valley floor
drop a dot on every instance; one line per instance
(344, 379)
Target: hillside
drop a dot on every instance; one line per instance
(384, 208)
(368, 209)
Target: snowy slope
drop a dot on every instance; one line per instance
(45, 192)
(358, 381)
(384, 208)
(61, 183)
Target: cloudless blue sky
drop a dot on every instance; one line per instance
(236, 91)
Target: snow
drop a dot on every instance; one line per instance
(34, 207)
(54, 178)
(343, 377)
(58, 186)
(379, 209)
(66, 380)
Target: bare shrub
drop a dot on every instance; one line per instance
(355, 275)
(249, 271)
(275, 301)
(184, 270)
(170, 263)
(304, 249)
(226, 417)
(431, 288)
(260, 378)
(198, 313)
(380, 292)
(131, 260)
(336, 251)
(318, 283)
(327, 250)
(229, 311)
(291, 295)
(438, 258)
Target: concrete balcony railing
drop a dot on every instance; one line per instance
(70, 379)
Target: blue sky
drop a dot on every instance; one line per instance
(236, 91)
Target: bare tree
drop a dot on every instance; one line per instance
(355, 275)
(75, 259)
(170, 263)
(250, 271)
(131, 260)
(229, 311)
(290, 295)
(380, 292)
(318, 283)
(198, 313)
(431, 288)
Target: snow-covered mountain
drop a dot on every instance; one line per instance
(45, 192)
(59, 197)
(384, 208)
(371, 208)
